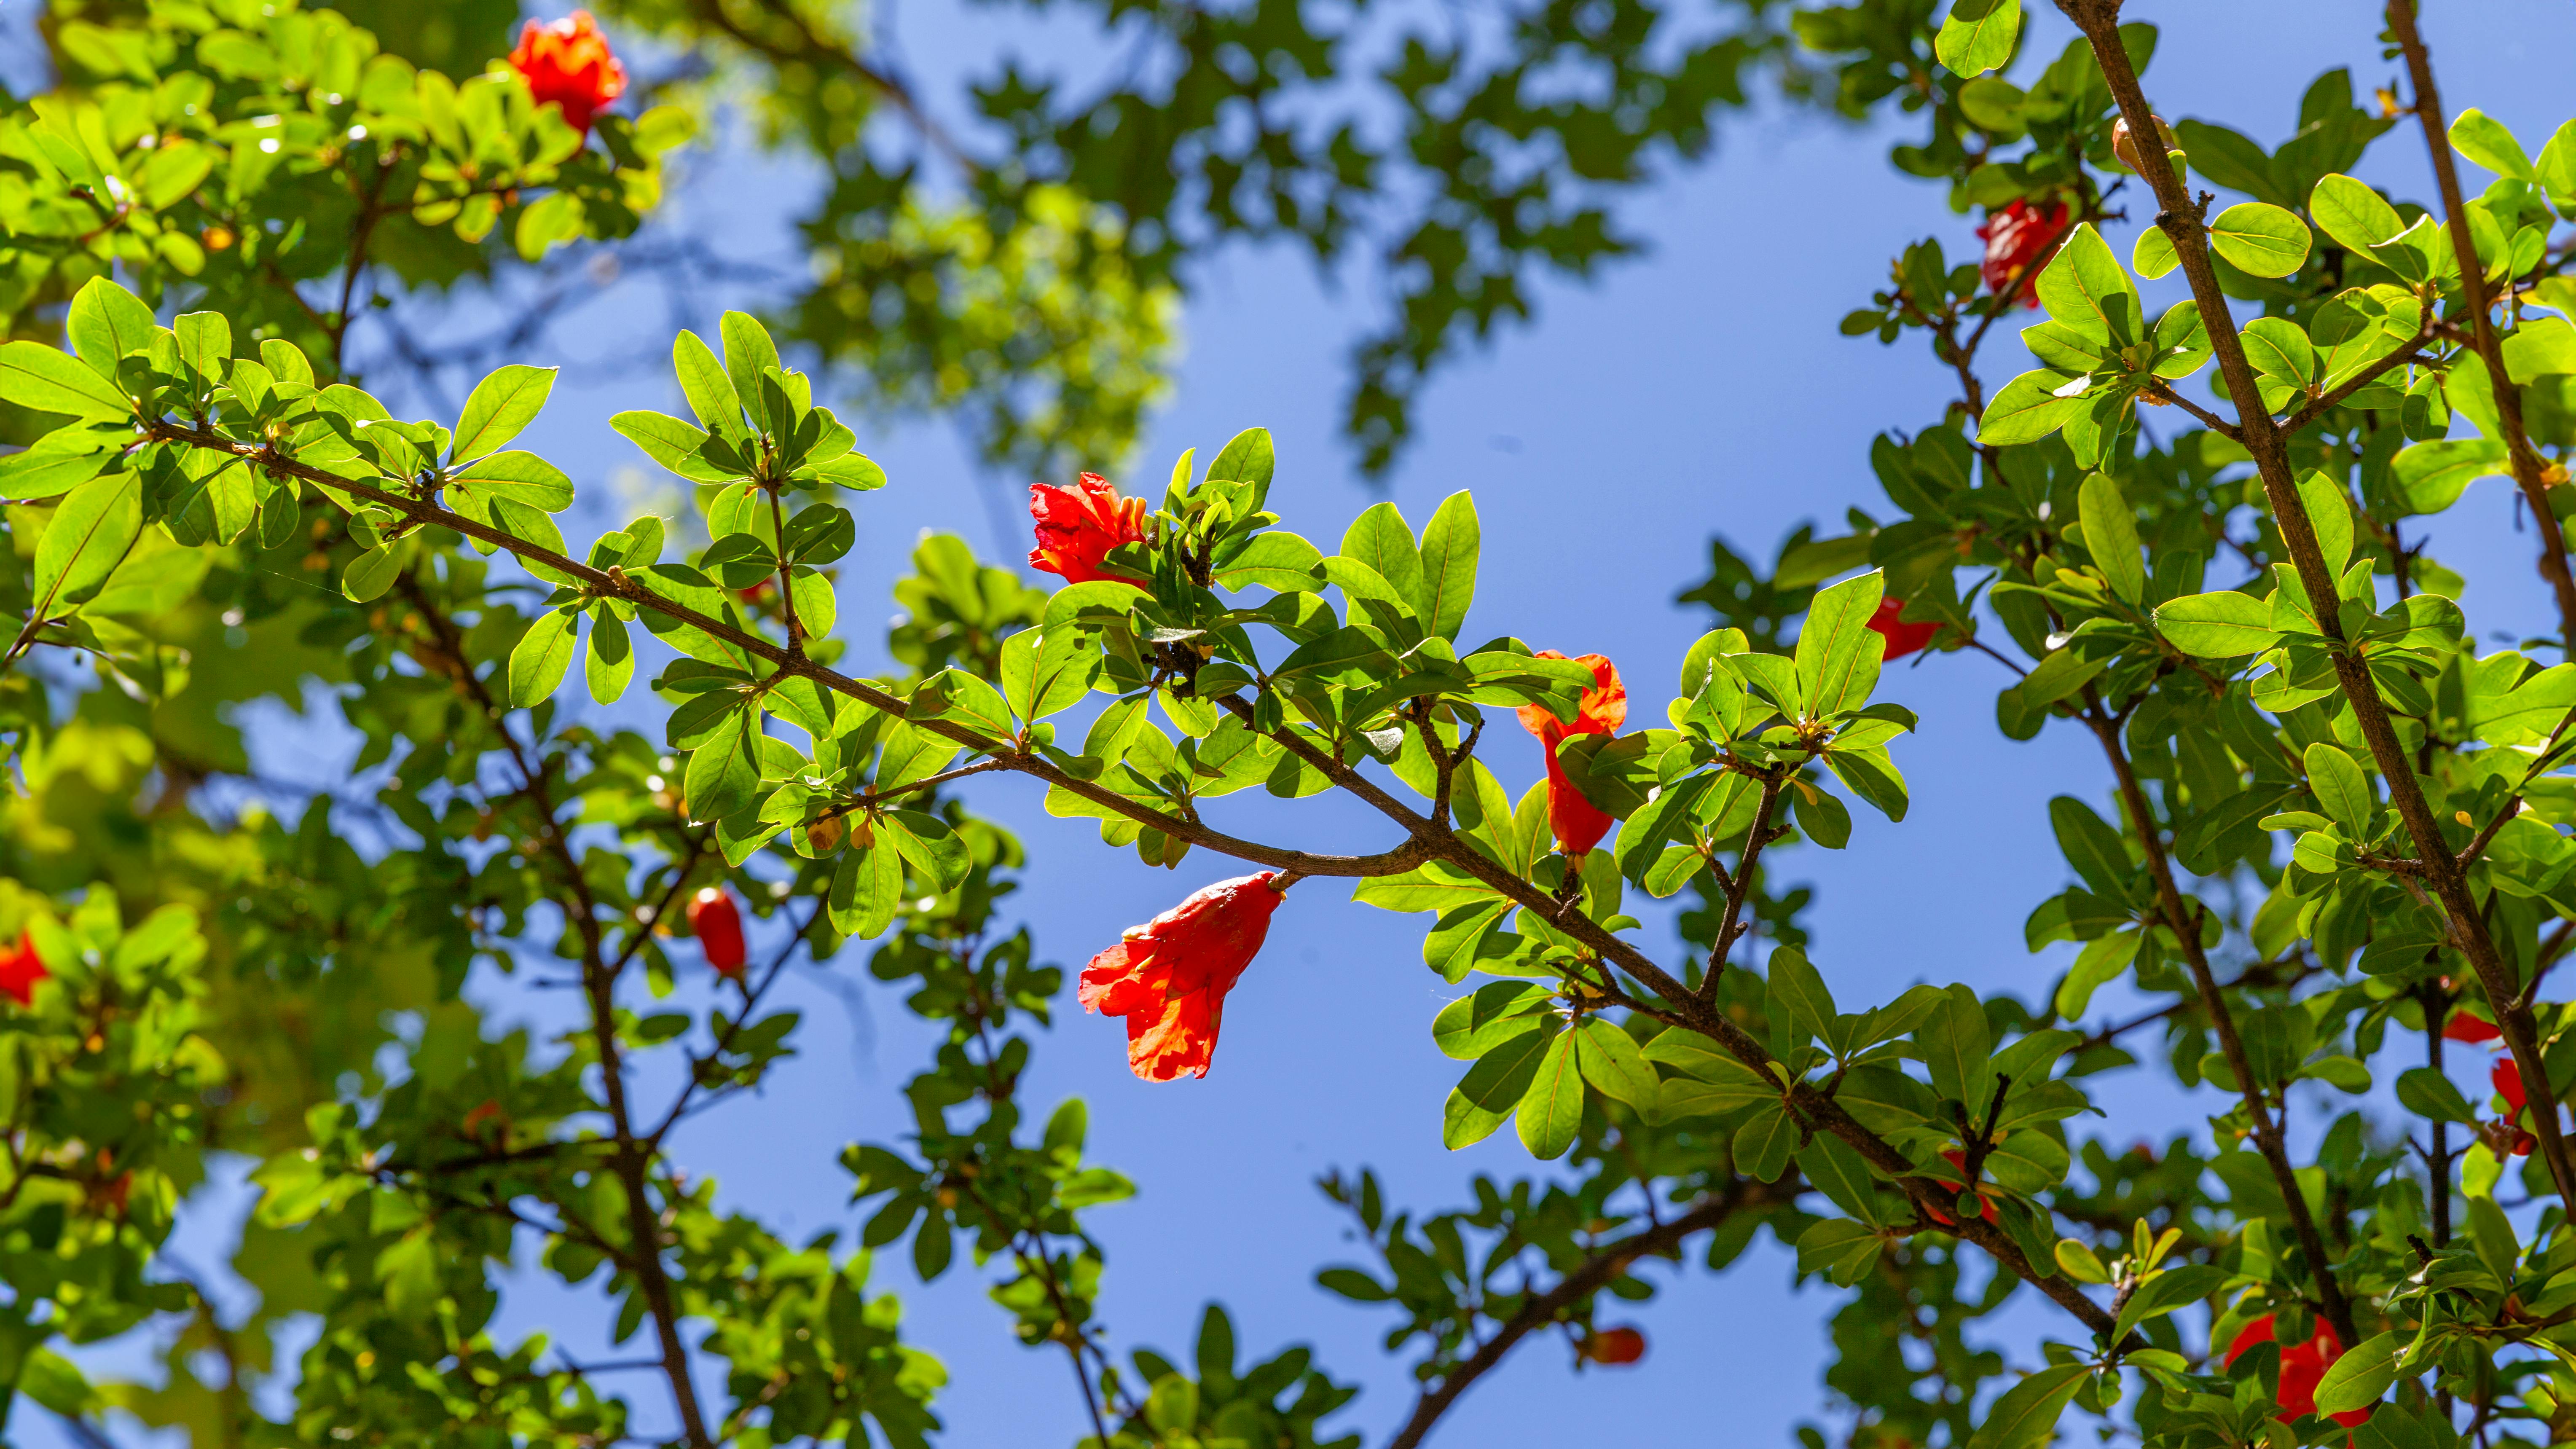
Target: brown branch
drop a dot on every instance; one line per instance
(2183, 920)
(2181, 221)
(1597, 1272)
(2359, 380)
(616, 584)
(632, 1156)
(1427, 841)
(2527, 465)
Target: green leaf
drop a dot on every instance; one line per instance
(2483, 139)
(670, 442)
(522, 477)
(1553, 1108)
(1495, 1085)
(205, 346)
(2260, 239)
(2342, 788)
(2026, 410)
(2026, 1416)
(2359, 1378)
(710, 393)
(1977, 36)
(723, 773)
(2229, 159)
(2084, 287)
(106, 325)
(1450, 544)
(1956, 1043)
(499, 407)
(2330, 514)
(1473, 1025)
(1838, 654)
(1379, 539)
(748, 353)
(1274, 559)
(2355, 216)
(46, 380)
(1839, 1172)
(370, 574)
(2111, 535)
(89, 534)
(1763, 1144)
(609, 659)
(1610, 1061)
(537, 665)
(2426, 1092)
(2222, 625)
(2166, 1292)
(1797, 999)
(2102, 959)
(1840, 1249)
(867, 890)
(2154, 254)
(2432, 476)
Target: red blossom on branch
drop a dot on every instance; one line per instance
(1616, 1346)
(1902, 637)
(717, 923)
(1078, 526)
(2475, 1030)
(1169, 976)
(20, 969)
(2018, 241)
(2303, 1365)
(2506, 1078)
(568, 64)
(1579, 823)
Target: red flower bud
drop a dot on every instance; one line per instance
(717, 923)
(1579, 823)
(757, 592)
(1615, 1345)
(1169, 976)
(20, 969)
(568, 64)
(2018, 241)
(1078, 526)
(2475, 1030)
(2303, 1365)
(1902, 637)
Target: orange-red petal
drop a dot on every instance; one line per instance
(1169, 977)
(1078, 527)
(568, 63)
(20, 969)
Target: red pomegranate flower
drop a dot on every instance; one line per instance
(1078, 526)
(2506, 1078)
(1616, 1345)
(1579, 823)
(2475, 1030)
(1902, 637)
(717, 924)
(20, 969)
(2302, 1366)
(1169, 976)
(2018, 241)
(569, 64)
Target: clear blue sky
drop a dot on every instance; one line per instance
(1702, 390)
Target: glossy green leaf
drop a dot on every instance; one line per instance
(2261, 239)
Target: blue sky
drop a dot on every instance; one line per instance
(1703, 390)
